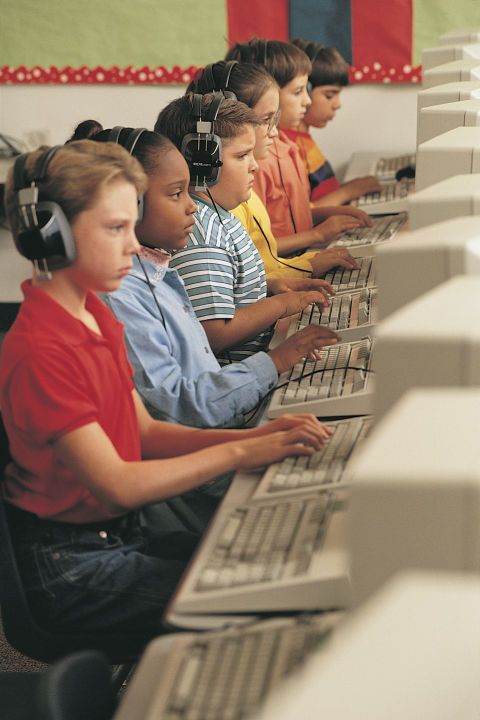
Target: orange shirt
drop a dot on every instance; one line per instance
(282, 184)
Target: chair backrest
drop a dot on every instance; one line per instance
(78, 687)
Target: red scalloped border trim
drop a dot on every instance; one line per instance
(176, 76)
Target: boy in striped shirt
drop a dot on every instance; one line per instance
(220, 265)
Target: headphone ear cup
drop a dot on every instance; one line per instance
(52, 239)
(203, 154)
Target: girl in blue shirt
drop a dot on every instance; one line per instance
(176, 372)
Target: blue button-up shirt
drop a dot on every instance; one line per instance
(176, 373)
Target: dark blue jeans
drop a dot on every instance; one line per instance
(102, 578)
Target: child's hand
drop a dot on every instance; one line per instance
(291, 303)
(321, 213)
(276, 286)
(325, 260)
(305, 343)
(330, 229)
(304, 438)
(288, 422)
(361, 186)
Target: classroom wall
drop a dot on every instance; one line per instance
(372, 117)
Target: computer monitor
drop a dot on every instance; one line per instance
(438, 119)
(434, 56)
(432, 341)
(447, 93)
(424, 259)
(453, 197)
(455, 152)
(465, 35)
(411, 652)
(467, 69)
(415, 490)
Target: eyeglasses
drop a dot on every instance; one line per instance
(271, 122)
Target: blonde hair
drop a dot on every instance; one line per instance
(76, 175)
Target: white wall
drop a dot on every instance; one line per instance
(372, 117)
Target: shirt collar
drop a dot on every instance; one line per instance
(143, 264)
(221, 210)
(45, 310)
(282, 146)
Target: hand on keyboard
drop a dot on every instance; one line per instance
(304, 343)
(293, 302)
(325, 260)
(303, 439)
(360, 186)
(322, 213)
(276, 286)
(330, 229)
(289, 422)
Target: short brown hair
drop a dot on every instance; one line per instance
(76, 174)
(176, 120)
(248, 81)
(283, 60)
(328, 66)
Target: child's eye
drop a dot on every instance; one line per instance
(176, 194)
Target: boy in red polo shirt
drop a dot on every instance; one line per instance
(86, 454)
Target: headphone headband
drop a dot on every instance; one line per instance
(208, 83)
(129, 144)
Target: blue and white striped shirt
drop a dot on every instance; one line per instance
(222, 271)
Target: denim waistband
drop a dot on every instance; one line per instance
(18, 519)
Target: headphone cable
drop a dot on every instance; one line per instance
(276, 258)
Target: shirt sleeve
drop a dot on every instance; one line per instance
(208, 273)
(216, 398)
(51, 396)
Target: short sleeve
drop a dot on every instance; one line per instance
(50, 396)
(209, 276)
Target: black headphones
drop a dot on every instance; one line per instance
(129, 144)
(45, 236)
(254, 51)
(209, 84)
(203, 149)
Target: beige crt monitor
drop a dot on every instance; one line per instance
(447, 93)
(438, 119)
(465, 35)
(424, 259)
(415, 490)
(453, 197)
(457, 70)
(432, 341)
(412, 652)
(455, 152)
(434, 56)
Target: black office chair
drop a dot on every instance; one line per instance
(79, 687)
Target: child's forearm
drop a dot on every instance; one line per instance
(289, 244)
(247, 323)
(336, 197)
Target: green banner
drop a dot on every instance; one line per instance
(432, 18)
(141, 32)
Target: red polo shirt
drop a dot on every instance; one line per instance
(57, 375)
